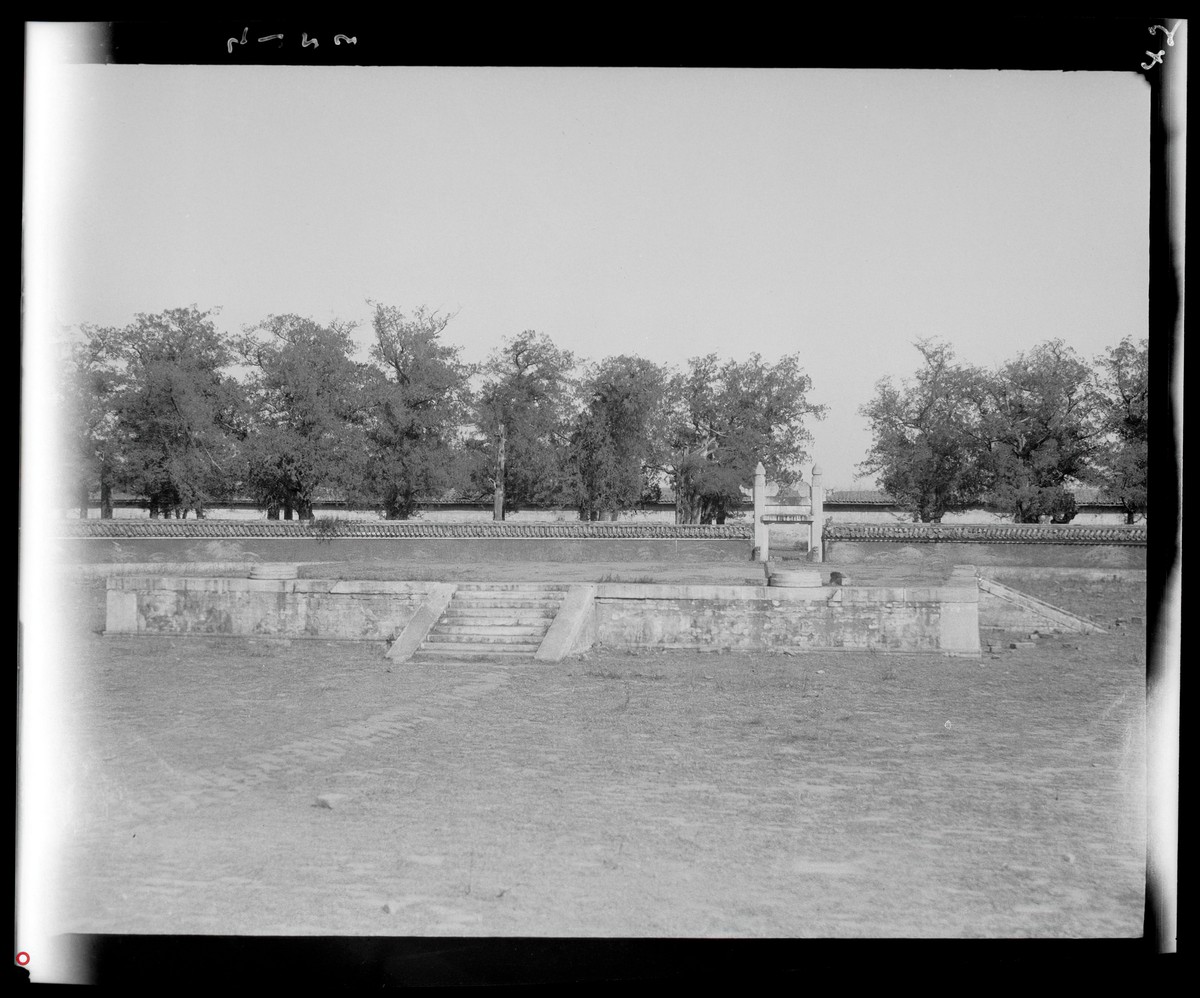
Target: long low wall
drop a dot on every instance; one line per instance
(1014, 545)
(938, 619)
(432, 550)
(108, 541)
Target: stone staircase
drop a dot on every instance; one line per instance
(489, 621)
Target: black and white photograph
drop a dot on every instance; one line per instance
(591, 502)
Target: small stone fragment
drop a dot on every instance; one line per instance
(329, 801)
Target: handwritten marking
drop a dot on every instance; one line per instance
(305, 41)
(1156, 59)
(1170, 34)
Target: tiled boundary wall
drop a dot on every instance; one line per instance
(1008, 544)
(110, 541)
(1016, 545)
(942, 619)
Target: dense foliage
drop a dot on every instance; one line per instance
(1019, 439)
(305, 419)
(419, 396)
(153, 410)
(181, 415)
(726, 417)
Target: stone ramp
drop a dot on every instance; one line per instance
(1002, 606)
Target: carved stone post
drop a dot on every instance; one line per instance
(761, 543)
(818, 517)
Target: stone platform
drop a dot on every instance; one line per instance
(940, 618)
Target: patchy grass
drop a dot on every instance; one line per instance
(682, 795)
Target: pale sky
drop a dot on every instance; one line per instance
(837, 214)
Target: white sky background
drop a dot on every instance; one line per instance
(838, 214)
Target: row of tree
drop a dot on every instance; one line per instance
(182, 415)
(1019, 439)
(175, 411)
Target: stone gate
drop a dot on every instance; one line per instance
(788, 518)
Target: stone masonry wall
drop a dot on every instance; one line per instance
(918, 619)
(372, 611)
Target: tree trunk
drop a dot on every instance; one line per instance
(612, 515)
(153, 508)
(287, 510)
(85, 502)
(272, 512)
(106, 506)
(498, 499)
(686, 511)
(685, 506)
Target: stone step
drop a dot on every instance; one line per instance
(488, 614)
(511, 587)
(503, 603)
(500, 641)
(497, 628)
(469, 655)
(474, 595)
(468, 644)
(487, 621)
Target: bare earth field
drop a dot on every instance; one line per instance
(308, 788)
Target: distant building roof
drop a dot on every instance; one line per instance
(861, 496)
(1084, 496)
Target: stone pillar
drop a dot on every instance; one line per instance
(815, 540)
(761, 542)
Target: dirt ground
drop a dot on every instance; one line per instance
(241, 786)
